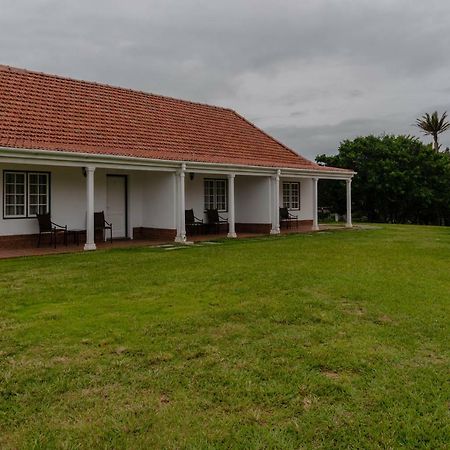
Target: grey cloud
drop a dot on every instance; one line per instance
(297, 113)
(308, 62)
(314, 140)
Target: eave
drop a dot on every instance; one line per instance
(79, 159)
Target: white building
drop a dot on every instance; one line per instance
(71, 148)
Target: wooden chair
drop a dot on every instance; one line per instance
(101, 224)
(287, 218)
(47, 227)
(215, 220)
(194, 225)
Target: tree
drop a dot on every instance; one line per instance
(433, 126)
(399, 180)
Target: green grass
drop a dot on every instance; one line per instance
(332, 340)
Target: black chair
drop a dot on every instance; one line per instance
(287, 218)
(100, 224)
(194, 225)
(215, 220)
(47, 227)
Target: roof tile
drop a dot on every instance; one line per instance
(49, 112)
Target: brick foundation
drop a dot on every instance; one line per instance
(293, 225)
(264, 228)
(160, 234)
(27, 241)
(19, 241)
(261, 228)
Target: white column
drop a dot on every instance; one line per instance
(130, 205)
(275, 203)
(231, 211)
(181, 224)
(314, 204)
(90, 240)
(349, 204)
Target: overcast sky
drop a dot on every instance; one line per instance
(310, 72)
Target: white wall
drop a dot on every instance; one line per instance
(158, 200)
(253, 199)
(68, 198)
(151, 198)
(135, 201)
(306, 207)
(195, 194)
(134, 198)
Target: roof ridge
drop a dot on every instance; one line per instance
(7, 68)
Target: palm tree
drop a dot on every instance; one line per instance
(433, 125)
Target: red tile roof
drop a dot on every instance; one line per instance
(48, 112)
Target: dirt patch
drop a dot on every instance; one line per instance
(385, 319)
(228, 329)
(120, 350)
(164, 400)
(159, 358)
(307, 403)
(358, 311)
(351, 308)
(330, 374)
(60, 360)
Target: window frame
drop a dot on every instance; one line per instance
(26, 174)
(14, 205)
(290, 201)
(38, 194)
(215, 181)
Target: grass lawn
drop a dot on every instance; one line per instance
(332, 340)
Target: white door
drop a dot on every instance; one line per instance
(116, 205)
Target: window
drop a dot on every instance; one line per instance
(25, 194)
(14, 194)
(291, 195)
(216, 194)
(37, 193)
